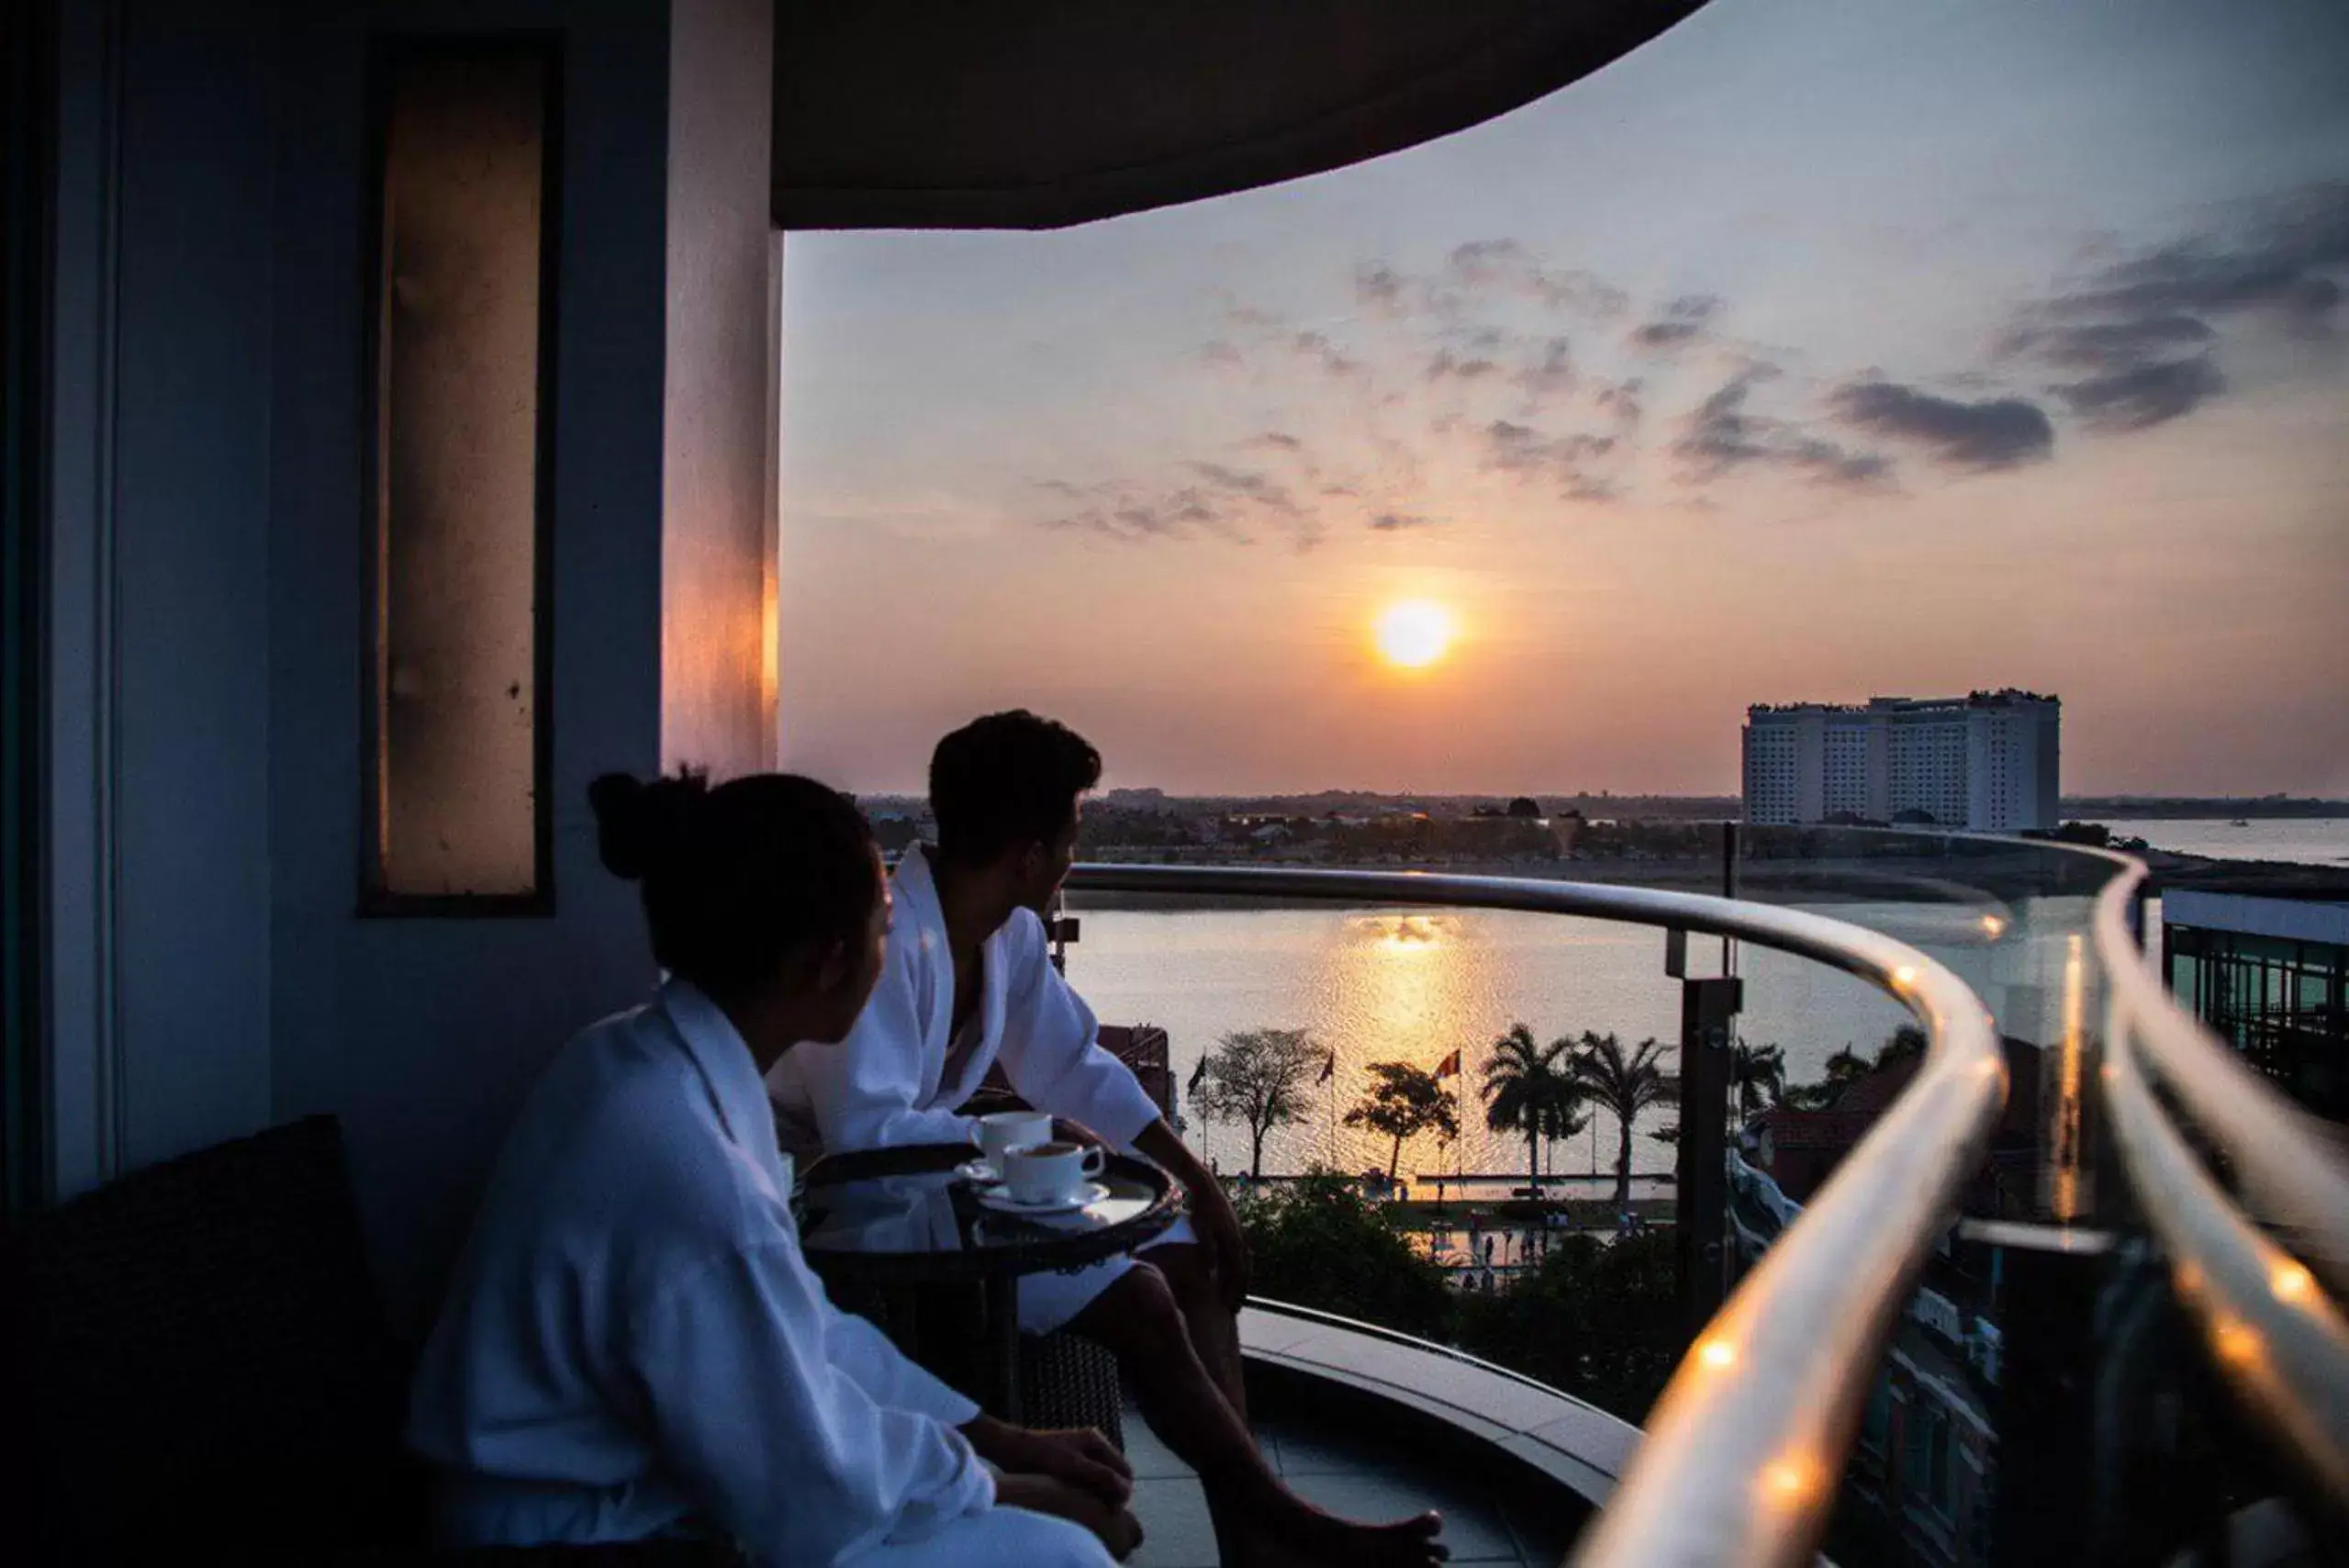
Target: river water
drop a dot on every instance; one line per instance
(1389, 985)
(2307, 841)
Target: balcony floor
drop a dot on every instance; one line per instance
(1365, 1474)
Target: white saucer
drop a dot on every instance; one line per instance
(1091, 1193)
(979, 1172)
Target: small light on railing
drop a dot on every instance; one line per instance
(1993, 927)
(1905, 976)
(2291, 1282)
(2188, 1276)
(2235, 1341)
(1718, 1353)
(1790, 1483)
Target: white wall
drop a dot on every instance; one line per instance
(717, 612)
(159, 787)
(422, 1034)
(211, 975)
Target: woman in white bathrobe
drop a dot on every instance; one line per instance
(632, 1344)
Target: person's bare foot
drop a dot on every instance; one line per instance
(1325, 1539)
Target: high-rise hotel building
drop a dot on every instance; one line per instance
(1988, 762)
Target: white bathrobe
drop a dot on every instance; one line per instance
(634, 1346)
(889, 1083)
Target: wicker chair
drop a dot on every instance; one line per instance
(201, 1361)
(194, 1363)
(1066, 1380)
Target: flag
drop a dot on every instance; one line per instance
(1449, 1066)
(1196, 1074)
(1328, 1066)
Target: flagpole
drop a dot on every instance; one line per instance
(1329, 1077)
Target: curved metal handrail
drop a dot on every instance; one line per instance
(1742, 1452)
(2272, 1329)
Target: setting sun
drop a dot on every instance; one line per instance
(1415, 632)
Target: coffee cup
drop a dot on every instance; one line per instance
(1009, 1130)
(1053, 1172)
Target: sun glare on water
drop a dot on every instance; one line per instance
(1415, 632)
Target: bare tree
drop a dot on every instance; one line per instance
(1257, 1077)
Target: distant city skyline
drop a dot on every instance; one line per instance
(1818, 352)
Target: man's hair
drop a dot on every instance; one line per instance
(1006, 780)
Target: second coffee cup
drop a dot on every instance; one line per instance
(1049, 1172)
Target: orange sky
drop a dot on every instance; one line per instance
(1913, 362)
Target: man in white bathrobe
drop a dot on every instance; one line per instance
(968, 982)
(632, 1344)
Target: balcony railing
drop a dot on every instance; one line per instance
(1744, 1453)
(2267, 1305)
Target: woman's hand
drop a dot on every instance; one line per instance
(1079, 1456)
(1115, 1526)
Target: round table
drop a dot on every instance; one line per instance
(903, 1216)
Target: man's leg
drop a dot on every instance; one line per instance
(1138, 1318)
(1214, 1330)
(999, 1535)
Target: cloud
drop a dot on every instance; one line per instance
(2110, 345)
(1115, 513)
(1216, 500)
(1397, 522)
(1315, 348)
(1997, 433)
(1246, 484)
(1622, 400)
(2144, 394)
(1529, 454)
(1682, 319)
(1275, 441)
(1241, 314)
(1378, 286)
(1552, 374)
(1486, 258)
(1448, 363)
(2146, 328)
(2278, 260)
(1482, 270)
(1720, 436)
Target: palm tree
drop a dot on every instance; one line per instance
(1564, 1117)
(1625, 1086)
(1907, 1041)
(1759, 1074)
(1527, 1090)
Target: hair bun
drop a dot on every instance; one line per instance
(639, 825)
